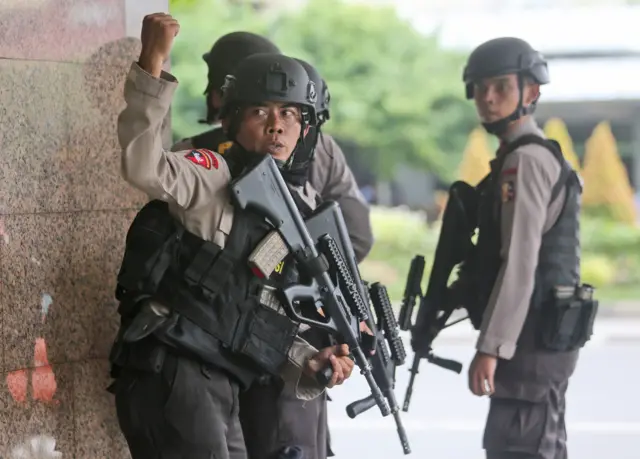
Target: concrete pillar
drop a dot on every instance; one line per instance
(64, 212)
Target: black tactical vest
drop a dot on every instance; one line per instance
(286, 271)
(559, 255)
(214, 140)
(213, 296)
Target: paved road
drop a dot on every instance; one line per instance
(445, 421)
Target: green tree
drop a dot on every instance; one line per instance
(606, 183)
(395, 93)
(556, 129)
(201, 24)
(475, 160)
(394, 90)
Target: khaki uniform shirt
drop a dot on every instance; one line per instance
(193, 182)
(526, 181)
(331, 176)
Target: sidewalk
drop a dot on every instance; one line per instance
(627, 308)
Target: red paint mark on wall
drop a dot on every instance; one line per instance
(17, 384)
(43, 379)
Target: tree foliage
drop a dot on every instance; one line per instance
(606, 183)
(394, 91)
(475, 159)
(555, 129)
(201, 24)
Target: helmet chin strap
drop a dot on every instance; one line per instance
(500, 126)
(245, 157)
(299, 145)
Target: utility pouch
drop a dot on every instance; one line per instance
(265, 336)
(566, 319)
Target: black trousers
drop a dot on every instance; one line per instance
(528, 427)
(187, 411)
(273, 418)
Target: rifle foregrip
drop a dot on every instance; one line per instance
(330, 250)
(383, 304)
(360, 406)
(412, 290)
(384, 310)
(406, 312)
(447, 364)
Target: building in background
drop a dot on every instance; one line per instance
(593, 50)
(594, 61)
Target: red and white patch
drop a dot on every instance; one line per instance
(508, 192)
(510, 171)
(204, 158)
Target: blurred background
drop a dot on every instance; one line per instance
(394, 71)
(399, 113)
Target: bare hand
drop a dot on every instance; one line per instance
(481, 374)
(340, 362)
(158, 33)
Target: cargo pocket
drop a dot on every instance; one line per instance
(188, 410)
(171, 382)
(516, 426)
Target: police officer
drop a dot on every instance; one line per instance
(297, 423)
(194, 328)
(329, 173)
(525, 270)
(221, 61)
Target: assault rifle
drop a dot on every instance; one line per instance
(458, 225)
(390, 354)
(387, 342)
(335, 285)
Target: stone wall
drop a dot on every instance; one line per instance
(64, 212)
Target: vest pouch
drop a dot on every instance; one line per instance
(147, 356)
(148, 249)
(566, 322)
(152, 315)
(264, 335)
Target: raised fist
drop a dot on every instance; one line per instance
(158, 33)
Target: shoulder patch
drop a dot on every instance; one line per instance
(224, 146)
(204, 158)
(508, 191)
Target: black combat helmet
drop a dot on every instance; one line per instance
(322, 102)
(225, 55)
(503, 56)
(270, 78)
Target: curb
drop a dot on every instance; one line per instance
(607, 330)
